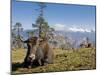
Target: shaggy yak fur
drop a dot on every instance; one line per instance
(39, 52)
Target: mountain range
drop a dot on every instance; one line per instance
(68, 34)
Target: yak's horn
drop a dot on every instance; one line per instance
(21, 39)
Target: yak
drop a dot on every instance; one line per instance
(39, 52)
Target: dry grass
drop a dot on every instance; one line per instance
(18, 55)
(82, 59)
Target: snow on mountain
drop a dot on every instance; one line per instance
(62, 27)
(74, 29)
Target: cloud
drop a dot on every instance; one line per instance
(76, 29)
(62, 27)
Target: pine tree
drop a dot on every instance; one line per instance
(17, 29)
(44, 29)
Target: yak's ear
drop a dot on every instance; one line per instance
(26, 41)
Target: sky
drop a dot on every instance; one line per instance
(59, 16)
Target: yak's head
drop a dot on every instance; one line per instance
(32, 44)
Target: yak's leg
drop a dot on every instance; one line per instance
(30, 66)
(45, 61)
(39, 61)
(25, 63)
(49, 59)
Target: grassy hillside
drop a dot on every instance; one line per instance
(82, 59)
